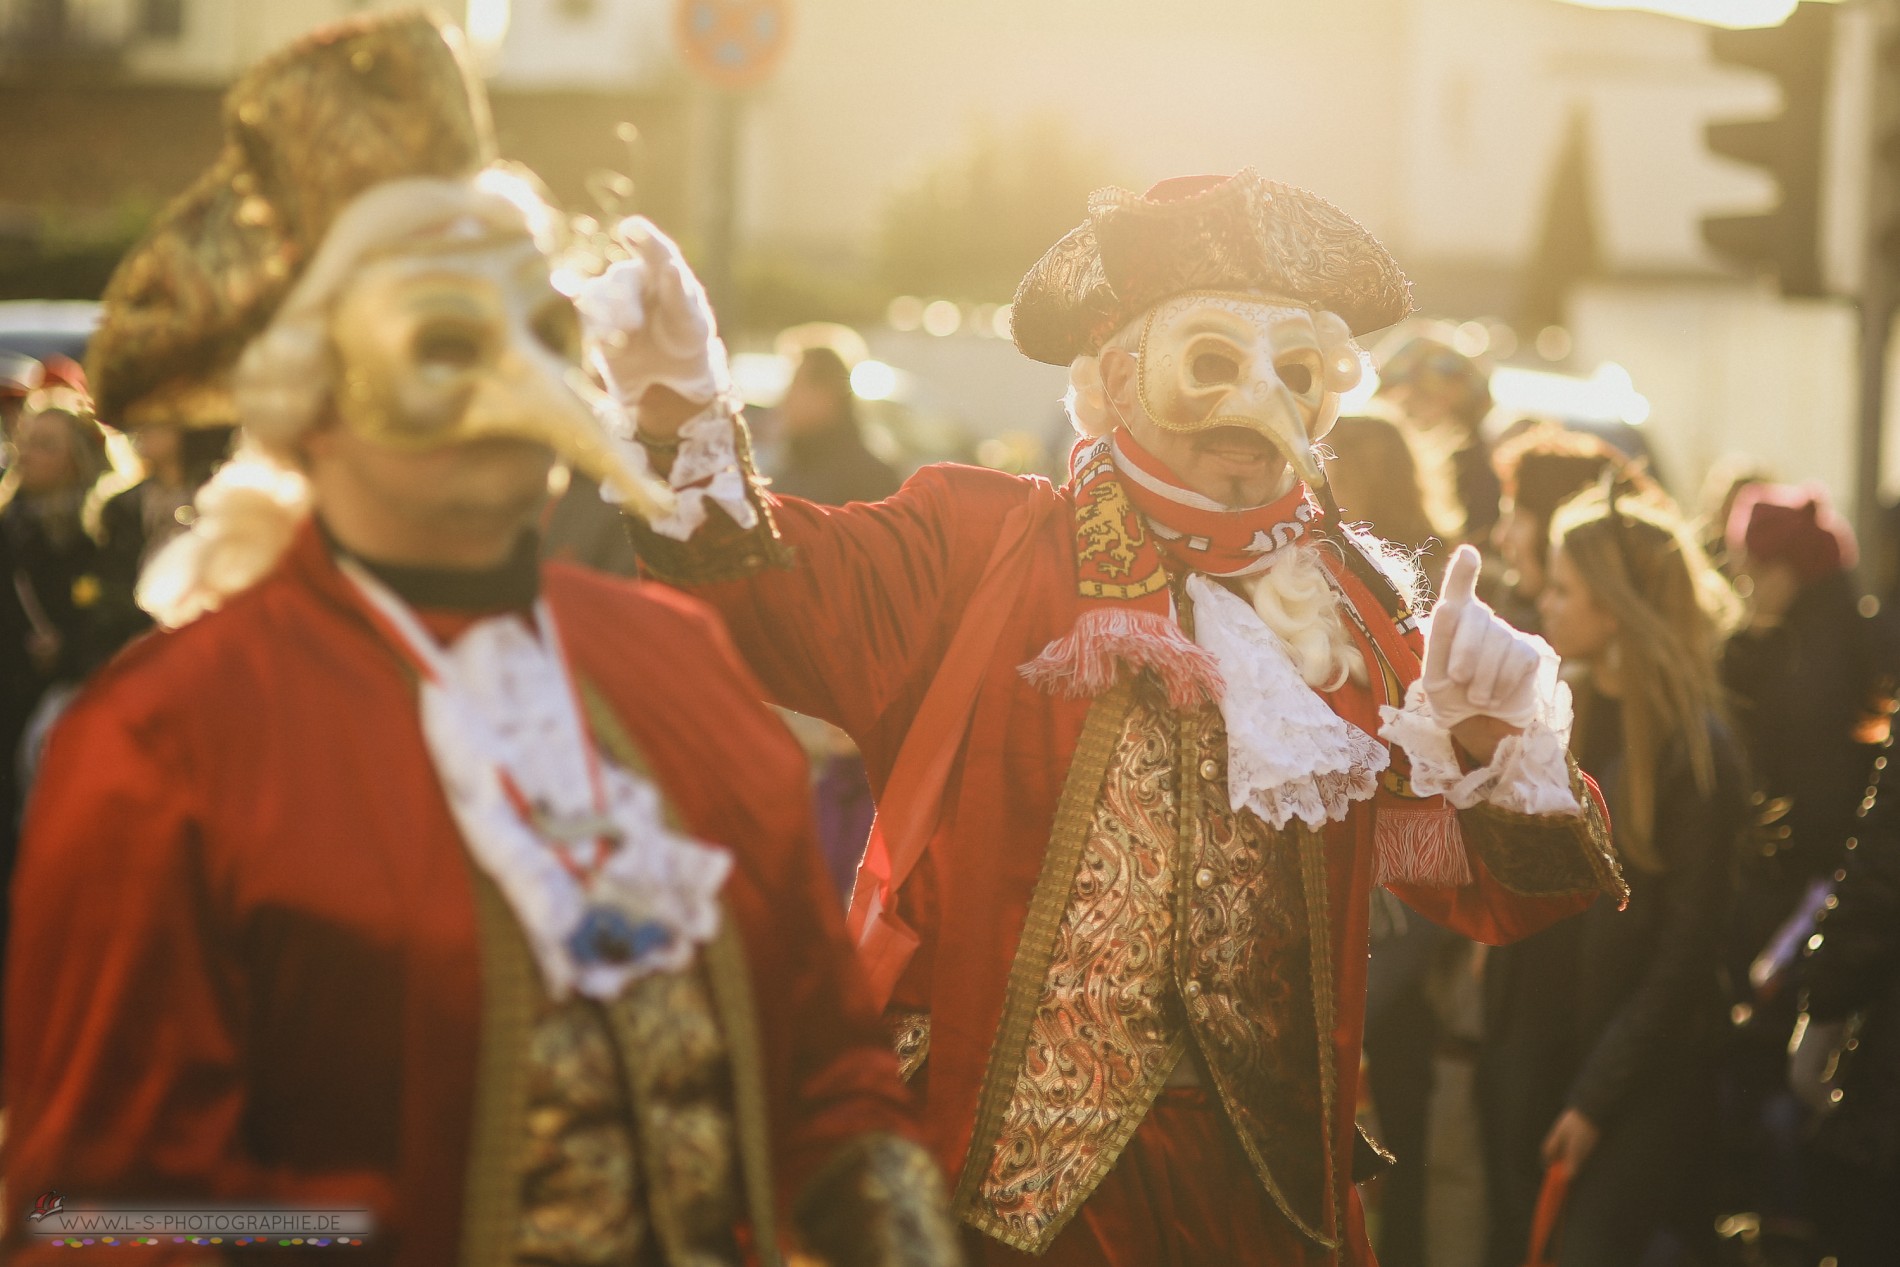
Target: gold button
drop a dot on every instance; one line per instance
(1203, 879)
(1210, 769)
(1193, 989)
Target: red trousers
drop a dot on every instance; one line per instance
(1182, 1195)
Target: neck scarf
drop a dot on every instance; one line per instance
(1135, 525)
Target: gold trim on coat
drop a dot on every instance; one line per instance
(1101, 732)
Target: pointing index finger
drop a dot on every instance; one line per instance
(1461, 578)
(1460, 592)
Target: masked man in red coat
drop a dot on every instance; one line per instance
(411, 878)
(1143, 743)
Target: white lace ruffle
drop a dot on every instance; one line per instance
(501, 700)
(1288, 754)
(1527, 775)
(706, 469)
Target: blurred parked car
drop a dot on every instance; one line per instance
(41, 328)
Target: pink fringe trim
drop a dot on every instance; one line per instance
(1086, 663)
(1416, 844)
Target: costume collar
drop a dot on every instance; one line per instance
(511, 585)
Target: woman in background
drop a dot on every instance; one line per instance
(1540, 468)
(1636, 611)
(61, 456)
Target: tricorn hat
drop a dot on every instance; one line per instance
(346, 108)
(1236, 233)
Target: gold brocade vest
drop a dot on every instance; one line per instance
(1162, 919)
(628, 1131)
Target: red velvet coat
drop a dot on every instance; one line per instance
(245, 961)
(853, 630)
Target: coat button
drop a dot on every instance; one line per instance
(1193, 989)
(1210, 769)
(1203, 879)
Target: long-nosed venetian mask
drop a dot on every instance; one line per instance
(1211, 359)
(446, 327)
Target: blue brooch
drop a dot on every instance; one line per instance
(606, 936)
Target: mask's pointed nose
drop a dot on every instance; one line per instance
(1271, 408)
(528, 397)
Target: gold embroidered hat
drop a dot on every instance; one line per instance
(1236, 233)
(344, 109)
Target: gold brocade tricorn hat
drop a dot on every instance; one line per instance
(1227, 233)
(353, 105)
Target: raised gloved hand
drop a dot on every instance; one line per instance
(648, 324)
(1476, 665)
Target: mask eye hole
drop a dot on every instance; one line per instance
(1212, 368)
(1297, 375)
(449, 345)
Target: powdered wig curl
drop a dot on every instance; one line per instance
(1295, 598)
(1090, 411)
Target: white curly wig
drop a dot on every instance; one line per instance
(1086, 401)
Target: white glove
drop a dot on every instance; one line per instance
(1476, 665)
(648, 322)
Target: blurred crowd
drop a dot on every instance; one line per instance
(1710, 1075)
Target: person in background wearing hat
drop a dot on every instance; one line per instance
(1142, 743)
(1805, 673)
(387, 880)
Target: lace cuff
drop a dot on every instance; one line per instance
(706, 468)
(722, 529)
(1529, 773)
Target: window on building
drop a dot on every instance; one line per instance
(162, 19)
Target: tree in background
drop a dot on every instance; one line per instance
(974, 221)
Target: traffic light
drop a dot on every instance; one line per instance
(1786, 239)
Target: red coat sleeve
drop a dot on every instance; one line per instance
(125, 1036)
(858, 619)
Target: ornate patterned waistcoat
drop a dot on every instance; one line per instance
(629, 1131)
(1163, 921)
